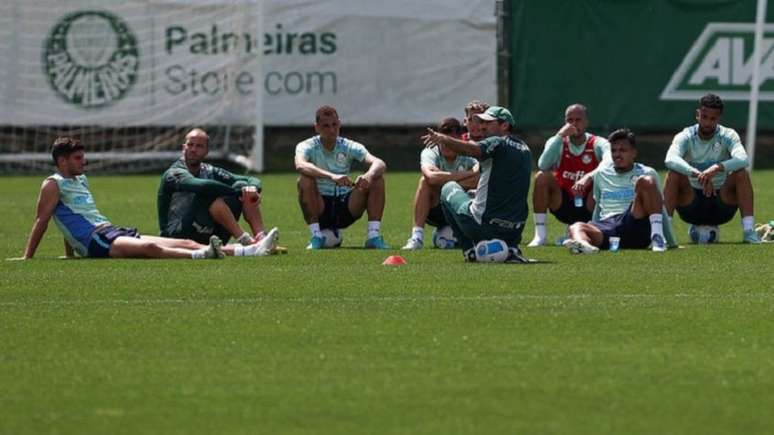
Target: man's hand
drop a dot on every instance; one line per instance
(567, 130)
(582, 186)
(363, 182)
(341, 180)
(705, 179)
(432, 138)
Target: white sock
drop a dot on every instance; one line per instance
(418, 233)
(246, 251)
(540, 226)
(199, 254)
(315, 230)
(656, 225)
(373, 229)
(239, 251)
(748, 222)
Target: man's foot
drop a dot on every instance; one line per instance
(376, 243)
(413, 244)
(215, 250)
(657, 243)
(580, 247)
(750, 236)
(515, 256)
(315, 243)
(537, 241)
(268, 243)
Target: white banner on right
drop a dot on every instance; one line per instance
(378, 62)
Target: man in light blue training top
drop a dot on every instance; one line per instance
(329, 199)
(706, 182)
(499, 208)
(627, 204)
(439, 165)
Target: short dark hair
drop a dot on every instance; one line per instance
(64, 146)
(622, 133)
(450, 126)
(325, 111)
(711, 101)
(477, 106)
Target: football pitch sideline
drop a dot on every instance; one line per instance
(333, 342)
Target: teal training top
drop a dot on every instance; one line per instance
(433, 157)
(688, 153)
(75, 214)
(338, 161)
(614, 193)
(503, 187)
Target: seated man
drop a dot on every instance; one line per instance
(706, 182)
(567, 157)
(627, 204)
(197, 200)
(499, 208)
(65, 196)
(329, 199)
(439, 165)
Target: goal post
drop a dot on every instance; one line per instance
(129, 78)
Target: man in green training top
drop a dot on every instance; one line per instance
(492, 222)
(707, 182)
(197, 200)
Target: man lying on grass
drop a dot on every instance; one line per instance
(65, 196)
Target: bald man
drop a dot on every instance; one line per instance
(197, 200)
(563, 181)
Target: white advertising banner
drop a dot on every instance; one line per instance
(165, 62)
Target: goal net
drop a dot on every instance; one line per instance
(129, 78)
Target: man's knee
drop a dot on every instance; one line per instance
(646, 184)
(306, 183)
(543, 178)
(449, 189)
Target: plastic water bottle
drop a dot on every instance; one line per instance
(578, 201)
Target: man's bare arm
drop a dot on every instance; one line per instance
(47, 200)
(305, 167)
(460, 147)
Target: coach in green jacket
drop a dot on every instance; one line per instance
(197, 200)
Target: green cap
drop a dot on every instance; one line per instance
(497, 113)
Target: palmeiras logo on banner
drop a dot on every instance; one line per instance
(91, 59)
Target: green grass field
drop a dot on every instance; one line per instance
(334, 342)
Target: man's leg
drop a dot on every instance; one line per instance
(546, 194)
(222, 213)
(738, 191)
(312, 206)
(371, 200)
(648, 202)
(678, 192)
(584, 238)
(159, 247)
(425, 198)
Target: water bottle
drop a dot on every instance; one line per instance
(578, 201)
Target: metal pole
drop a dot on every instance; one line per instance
(752, 120)
(503, 14)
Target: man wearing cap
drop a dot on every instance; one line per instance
(329, 199)
(499, 209)
(439, 165)
(197, 200)
(562, 183)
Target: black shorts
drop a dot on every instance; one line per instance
(103, 237)
(568, 213)
(436, 217)
(634, 233)
(336, 214)
(706, 211)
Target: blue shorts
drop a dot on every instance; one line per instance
(634, 233)
(706, 210)
(103, 237)
(336, 214)
(568, 213)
